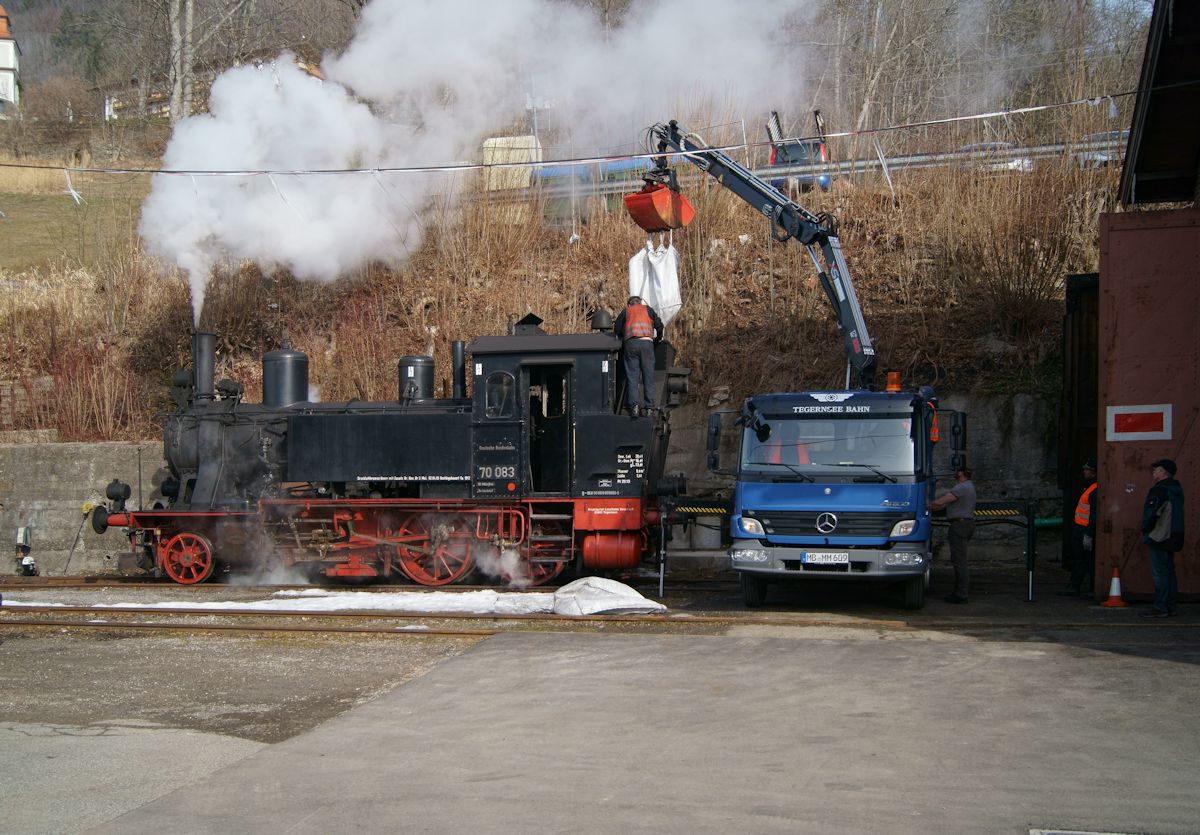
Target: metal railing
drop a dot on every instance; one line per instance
(581, 184)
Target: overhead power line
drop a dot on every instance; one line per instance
(464, 167)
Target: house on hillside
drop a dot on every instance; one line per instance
(10, 69)
(150, 98)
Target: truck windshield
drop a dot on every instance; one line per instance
(869, 445)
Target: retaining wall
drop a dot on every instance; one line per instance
(44, 487)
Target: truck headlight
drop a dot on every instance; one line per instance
(749, 555)
(753, 527)
(904, 527)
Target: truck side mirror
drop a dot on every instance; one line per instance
(714, 442)
(958, 431)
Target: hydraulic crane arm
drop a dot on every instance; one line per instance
(817, 233)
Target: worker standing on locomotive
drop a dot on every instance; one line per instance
(639, 328)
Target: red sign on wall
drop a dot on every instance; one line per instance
(1139, 423)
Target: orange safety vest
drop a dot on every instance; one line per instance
(935, 434)
(1083, 510)
(638, 324)
(798, 452)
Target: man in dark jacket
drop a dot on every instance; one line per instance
(639, 328)
(1162, 530)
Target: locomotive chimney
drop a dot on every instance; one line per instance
(204, 361)
(460, 369)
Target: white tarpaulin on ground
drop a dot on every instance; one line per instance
(587, 596)
(597, 595)
(654, 275)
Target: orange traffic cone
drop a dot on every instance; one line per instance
(1114, 592)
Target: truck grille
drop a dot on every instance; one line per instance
(855, 566)
(804, 523)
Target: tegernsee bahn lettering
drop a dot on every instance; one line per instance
(828, 409)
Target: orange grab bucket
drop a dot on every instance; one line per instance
(657, 208)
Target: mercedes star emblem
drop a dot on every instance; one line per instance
(826, 523)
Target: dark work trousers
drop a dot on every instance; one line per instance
(639, 372)
(1083, 567)
(961, 531)
(1166, 585)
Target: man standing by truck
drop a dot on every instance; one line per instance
(959, 502)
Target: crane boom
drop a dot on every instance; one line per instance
(816, 233)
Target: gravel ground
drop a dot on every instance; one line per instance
(264, 688)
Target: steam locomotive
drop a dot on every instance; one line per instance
(535, 472)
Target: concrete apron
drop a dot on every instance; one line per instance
(763, 729)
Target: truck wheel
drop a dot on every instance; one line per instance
(754, 590)
(914, 593)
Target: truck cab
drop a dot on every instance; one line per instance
(832, 485)
(803, 163)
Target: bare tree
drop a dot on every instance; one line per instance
(877, 63)
(230, 32)
(610, 12)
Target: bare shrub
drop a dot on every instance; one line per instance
(366, 338)
(96, 396)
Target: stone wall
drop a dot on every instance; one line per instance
(44, 486)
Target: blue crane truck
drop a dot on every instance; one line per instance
(829, 485)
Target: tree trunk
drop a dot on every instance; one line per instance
(179, 24)
(189, 81)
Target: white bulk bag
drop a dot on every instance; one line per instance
(654, 275)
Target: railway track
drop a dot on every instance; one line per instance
(79, 582)
(376, 622)
(416, 624)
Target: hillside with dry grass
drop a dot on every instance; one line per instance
(960, 276)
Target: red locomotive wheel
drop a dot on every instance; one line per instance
(188, 558)
(435, 551)
(541, 573)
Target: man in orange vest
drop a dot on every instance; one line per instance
(639, 328)
(1083, 537)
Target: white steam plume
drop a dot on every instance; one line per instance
(505, 565)
(421, 84)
